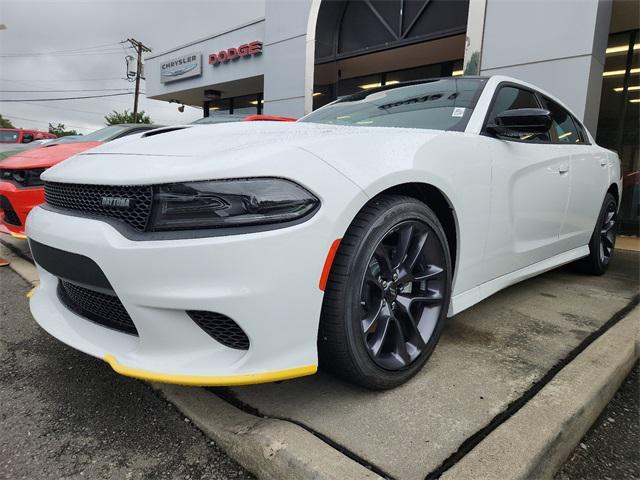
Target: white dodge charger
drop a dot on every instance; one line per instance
(252, 252)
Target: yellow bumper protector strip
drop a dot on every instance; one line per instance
(18, 235)
(210, 381)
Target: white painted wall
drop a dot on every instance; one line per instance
(558, 45)
(289, 51)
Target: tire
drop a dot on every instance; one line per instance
(379, 333)
(603, 239)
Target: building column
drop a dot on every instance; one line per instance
(289, 48)
(557, 45)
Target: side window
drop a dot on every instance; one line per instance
(582, 133)
(512, 98)
(27, 137)
(566, 131)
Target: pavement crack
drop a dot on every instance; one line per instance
(471, 442)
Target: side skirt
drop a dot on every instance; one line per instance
(467, 299)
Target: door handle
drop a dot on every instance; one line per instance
(562, 169)
(604, 162)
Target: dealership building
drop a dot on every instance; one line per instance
(298, 55)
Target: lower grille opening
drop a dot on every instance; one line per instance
(221, 328)
(10, 215)
(106, 310)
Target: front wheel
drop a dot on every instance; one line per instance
(387, 295)
(603, 239)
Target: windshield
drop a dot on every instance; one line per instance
(441, 104)
(220, 118)
(102, 135)
(8, 136)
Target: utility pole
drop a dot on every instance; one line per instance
(139, 47)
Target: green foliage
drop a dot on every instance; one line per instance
(59, 130)
(5, 123)
(115, 118)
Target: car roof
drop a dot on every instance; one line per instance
(150, 126)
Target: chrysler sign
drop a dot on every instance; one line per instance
(179, 68)
(234, 53)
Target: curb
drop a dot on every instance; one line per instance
(538, 439)
(18, 264)
(271, 449)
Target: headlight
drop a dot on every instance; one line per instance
(229, 203)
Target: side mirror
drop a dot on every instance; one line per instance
(527, 121)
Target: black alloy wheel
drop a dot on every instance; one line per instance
(402, 294)
(387, 295)
(608, 233)
(603, 239)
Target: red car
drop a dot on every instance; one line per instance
(20, 186)
(19, 135)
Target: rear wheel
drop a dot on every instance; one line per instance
(603, 239)
(387, 295)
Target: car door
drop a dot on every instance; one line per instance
(530, 185)
(589, 176)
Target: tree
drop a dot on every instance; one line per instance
(114, 118)
(5, 123)
(59, 130)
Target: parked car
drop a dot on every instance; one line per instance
(20, 184)
(8, 149)
(230, 118)
(252, 252)
(19, 135)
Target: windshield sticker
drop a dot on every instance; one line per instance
(458, 112)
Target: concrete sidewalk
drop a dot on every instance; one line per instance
(489, 356)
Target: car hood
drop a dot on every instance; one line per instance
(46, 156)
(226, 150)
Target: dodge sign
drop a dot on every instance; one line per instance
(233, 53)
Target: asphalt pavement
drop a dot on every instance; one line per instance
(64, 414)
(611, 449)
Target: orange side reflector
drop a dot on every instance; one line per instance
(328, 262)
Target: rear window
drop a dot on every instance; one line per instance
(9, 136)
(441, 104)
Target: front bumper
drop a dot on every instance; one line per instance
(267, 282)
(22, 201)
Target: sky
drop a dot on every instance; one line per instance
(74, 45)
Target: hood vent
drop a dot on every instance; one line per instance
(159, 131)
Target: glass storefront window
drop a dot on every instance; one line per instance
(618, 124)
(246, 104)
(323, 94)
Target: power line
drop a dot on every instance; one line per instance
(97, 48)
(42, 121)
(60, 107)
(71, 90)
(108, 52)
(63, 98)
(60, 80)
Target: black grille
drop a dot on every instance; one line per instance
(221, 328)
(107, 310)
(89, 199)
(10, 215)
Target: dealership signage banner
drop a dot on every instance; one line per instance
(245, 50)
(178, 68)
